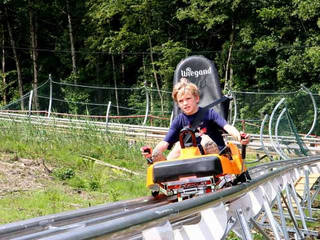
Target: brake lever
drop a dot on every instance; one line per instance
(149, 161)
(243, 146)
(147, 149)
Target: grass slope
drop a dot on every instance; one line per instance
(45, 171)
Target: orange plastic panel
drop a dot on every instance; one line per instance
(234, 166)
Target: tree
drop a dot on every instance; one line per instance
(261, 44)
(70, 34)
(3, 65)
(34, 49)
(15, 55)
(73, 54)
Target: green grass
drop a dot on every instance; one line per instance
(53, 199)
(76, 182)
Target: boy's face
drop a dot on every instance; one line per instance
(187, 102)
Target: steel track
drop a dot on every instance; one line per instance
(48, 226)
(37, 228)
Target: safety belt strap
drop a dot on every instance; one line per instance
(201, 113)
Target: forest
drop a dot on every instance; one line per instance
(256, 45)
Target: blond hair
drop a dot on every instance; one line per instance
(184, 85)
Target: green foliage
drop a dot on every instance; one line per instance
(306, 9)
(75, 98)
(78, 183)
(210, 14)
(170, 54)
(186, 27)
(64, 173)
(256, 46)
(313, 57)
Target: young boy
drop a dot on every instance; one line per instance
(187, 96)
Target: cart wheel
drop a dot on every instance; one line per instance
(154, 193)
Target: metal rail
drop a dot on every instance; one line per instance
(53, 224)
(136, 219)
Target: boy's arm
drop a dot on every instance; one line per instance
(236, 134)
(157, 153)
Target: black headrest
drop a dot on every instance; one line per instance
(202, 72)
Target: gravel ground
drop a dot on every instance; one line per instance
(19, 174)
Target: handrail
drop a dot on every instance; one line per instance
(278, 150)
(315, 110)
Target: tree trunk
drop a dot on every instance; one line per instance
(122, 67)
(16, 59)
(34, 53)
(3, 61)
(73, 53)
(115, 83)
(151, 84)
(155, 75)
(228, 73)
(227, 78)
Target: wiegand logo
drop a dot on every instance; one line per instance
(189, 73)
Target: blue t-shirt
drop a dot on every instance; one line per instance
(210, 125)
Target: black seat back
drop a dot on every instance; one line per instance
(165, 171)
(202, 72)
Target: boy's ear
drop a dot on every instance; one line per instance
(197, 99)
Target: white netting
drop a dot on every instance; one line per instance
(127, 105)
(130, 105)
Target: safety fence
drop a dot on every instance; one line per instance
(259, 142)
(140, 105)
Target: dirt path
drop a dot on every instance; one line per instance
(18, 174)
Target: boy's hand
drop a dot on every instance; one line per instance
(245, 138)
(146, 152)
